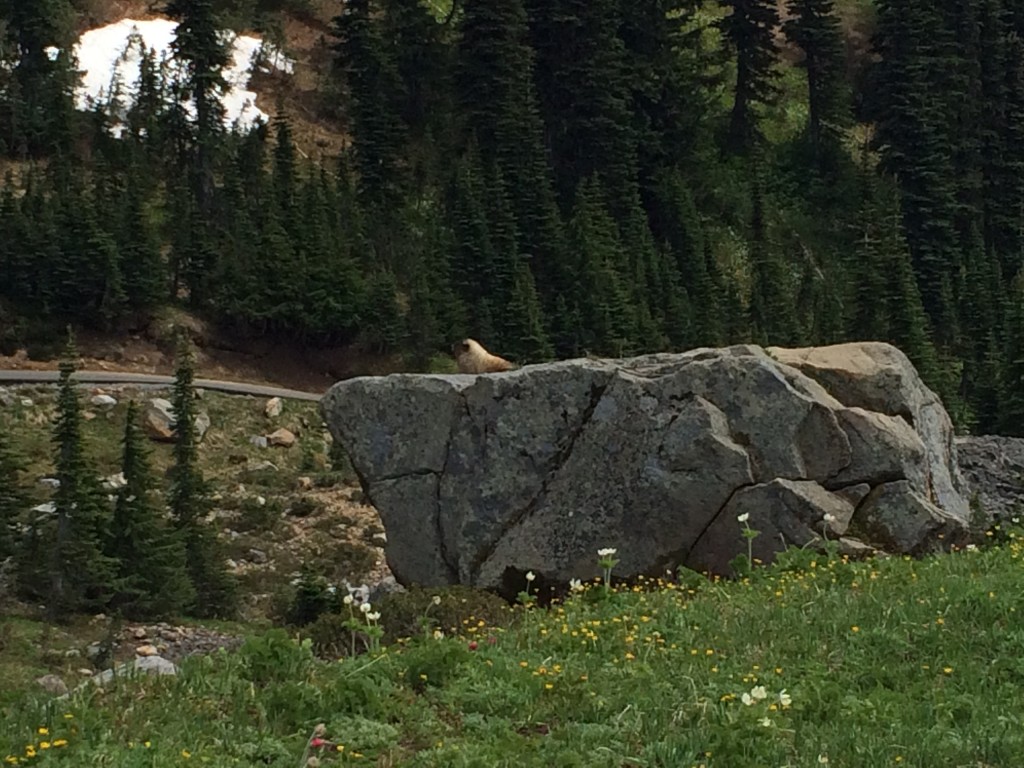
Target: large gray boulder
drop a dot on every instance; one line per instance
(480, 478)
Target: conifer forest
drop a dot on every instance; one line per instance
(555, 178)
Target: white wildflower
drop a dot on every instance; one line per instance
(759, 693)
(784, 698)
(438, 634)
(575, 585)
(436, 600)
(766, 722)
(744, 517)
(530, 576)
(347, 599)
(373, 616)
(608, 552)
(365, 608)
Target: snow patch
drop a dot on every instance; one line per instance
(109, 59)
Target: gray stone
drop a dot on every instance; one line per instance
(897, 518)
(105, 401)
(480, 478)
(7, 400)
(259, 441)
(273, 407)
(790, 511)
(994, 469)
(281, 437)
(53, 685)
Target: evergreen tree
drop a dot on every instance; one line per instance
(1011, 421)
(383, 325)
(81, 574)
(152, 580)
(37, 108)
(584, 89)
(814, 27)
(495, 83)
(772, 313)
(913, 116)
(198, 46)
(750, 31)
(607, 318)
(375, 97)
(189, 501)
(13, 500)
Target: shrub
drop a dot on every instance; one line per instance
(415, 612)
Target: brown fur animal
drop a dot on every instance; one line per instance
(473, 358)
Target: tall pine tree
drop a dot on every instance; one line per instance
(152, 582)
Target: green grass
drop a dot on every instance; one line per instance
(887, 662)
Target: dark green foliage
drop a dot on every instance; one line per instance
(13, 500)
(81, 574)
(151, 580)
(376, 96)
(814, 27)
(189, 501)
(1011, 418)
(608, 320)
(313, 597)
(913, 105)
(750, 29)
(36, 108)
(773, 317)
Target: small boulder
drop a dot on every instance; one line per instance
(281, 437)
(158, 420)
(273, 408)
(259, 441)
(103, 401)
(146, 650)
(52, 684)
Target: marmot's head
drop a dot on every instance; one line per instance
(462, 347)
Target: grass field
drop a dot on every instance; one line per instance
(815, 661)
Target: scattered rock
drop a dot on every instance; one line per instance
(150, 665)
(202, 424)
(88, 415)
(114, 482)
(140, 633)
(304, 484)
(52, 684)
(146, 650)
(273, 408)
(257, 556)
(26, 402)
(281, 437)
(158, 420)
(103, 401)
(380, 539)
(264, 466)
(7, 399)
(259, 441)
(50, 482)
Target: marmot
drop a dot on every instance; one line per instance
(472, 358)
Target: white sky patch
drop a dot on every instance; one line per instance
(109, 59)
